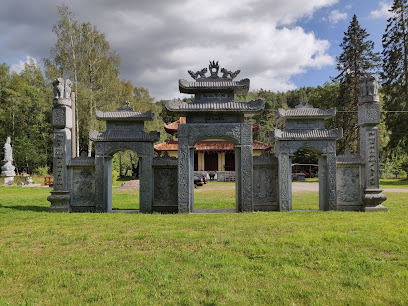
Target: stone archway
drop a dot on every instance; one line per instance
(327, 171)
(239, 134)
(103, 173)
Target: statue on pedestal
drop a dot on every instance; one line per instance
(7, 171)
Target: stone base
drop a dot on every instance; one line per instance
(60, 201)
(375, 208)
(373, 198)
(7, 180)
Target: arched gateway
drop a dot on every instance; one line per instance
(215, 115)
(348, 182)
(304, 128)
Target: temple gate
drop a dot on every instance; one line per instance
(215, 115)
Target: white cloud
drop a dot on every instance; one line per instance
(158, 41)
(348, 7)
(382, 11)
(19, 66)
(335, 16)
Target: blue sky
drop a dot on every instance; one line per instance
(372, 16)
(278, 44)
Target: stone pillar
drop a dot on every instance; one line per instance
(322, 182)
(184, 179)
(244, 178)
(99, 177)
(285, 182)
(368, 119)
(62, 122)
(331, 181)
(146, 183)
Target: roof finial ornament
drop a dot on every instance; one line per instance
(125, 107)
(214, 67)
(303, 103)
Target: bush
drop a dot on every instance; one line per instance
(115, 175)
(42, 171)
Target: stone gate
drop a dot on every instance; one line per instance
(215, 115)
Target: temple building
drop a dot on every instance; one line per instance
(209, 155)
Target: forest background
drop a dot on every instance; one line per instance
(83, 54)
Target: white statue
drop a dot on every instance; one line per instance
(8, 168)
(8, 151)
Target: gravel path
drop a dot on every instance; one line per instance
(297, 187)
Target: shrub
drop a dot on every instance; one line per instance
(42, 171)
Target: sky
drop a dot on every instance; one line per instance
(279, 45)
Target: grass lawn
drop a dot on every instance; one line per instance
(227, 259)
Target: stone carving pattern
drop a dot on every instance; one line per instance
(99, 180)
(246, 177)
(231, 132)
(183, 171)
(349, 185)
(283, 182)
(165, 191)
(371, 159)
(146, 177)
(331, 181)
(369, 85)
(58, 117)
(62, 88)
(83, 187)
(59, 161)
(264, 184)
(369, 113)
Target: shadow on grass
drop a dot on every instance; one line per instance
(26, 207)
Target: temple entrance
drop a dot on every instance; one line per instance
(211, 161)
(305, 186)
(216, 193)
(125, 181)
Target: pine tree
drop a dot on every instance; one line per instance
(358, 58)
(395, 74)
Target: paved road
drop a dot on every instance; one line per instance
(297, 187)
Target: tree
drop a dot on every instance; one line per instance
(357, 58)
(395, 75)
(83, 54)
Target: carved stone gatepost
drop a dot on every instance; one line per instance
(165, 198)
(368, 119)
(350, 185)
(62, 122)
(265, 182)
(304, 128)
(124, 131)
(215, 115)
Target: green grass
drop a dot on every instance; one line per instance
(393, 183)
(213, 199)
(215, 259)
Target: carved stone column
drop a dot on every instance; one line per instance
(99, 177)
(368, 119)
(184, 180)
(62, 122)
(146, 183)
(285, 182)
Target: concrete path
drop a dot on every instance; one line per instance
(297, 187)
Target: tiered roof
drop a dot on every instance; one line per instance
(214, 93)
(124, 113)
(295, 127)
(305, 111)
